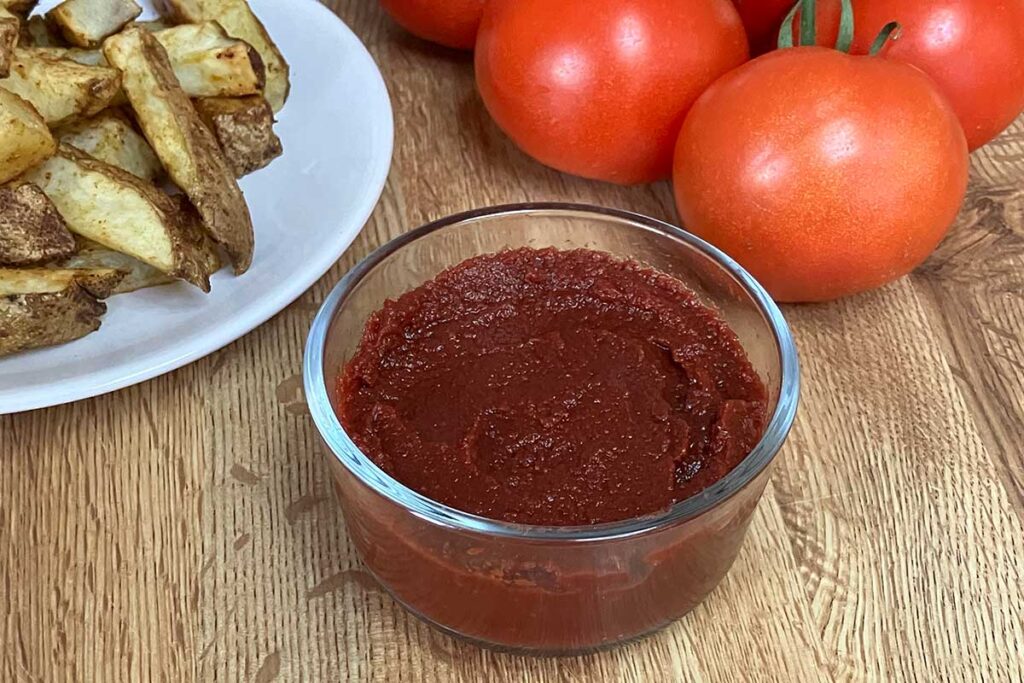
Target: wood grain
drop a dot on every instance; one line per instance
(185, 529)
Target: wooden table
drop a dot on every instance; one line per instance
(185, 528)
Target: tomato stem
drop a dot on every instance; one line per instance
(786, 31)
(808, 28)
(889, 31)
(808, 25)
(845, 38)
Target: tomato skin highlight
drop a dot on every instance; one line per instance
(599, 88)
(824, 174)
(972, 49)
(452, 23)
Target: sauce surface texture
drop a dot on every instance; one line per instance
(552, 387)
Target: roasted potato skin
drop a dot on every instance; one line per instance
(244, 127)
(44, 307)
(187, 149)
(25, 139)
(193, 231)
(31, 229)
(61, 90)
(30, 321)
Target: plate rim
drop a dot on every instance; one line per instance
(220, 336)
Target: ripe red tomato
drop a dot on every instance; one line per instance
(762, 19)
(972, 49)
(449, 22)
(824, 174)
(599, 88)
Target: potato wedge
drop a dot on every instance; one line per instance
(137, 275)
(244, 127)
(239, 22)
(31, 229)
(86, 23)
(208, 63)
(60, 89)
(24, 138)
(36, 32)
(122, 212)
(184, 145)
(43, 307)
(110, 137)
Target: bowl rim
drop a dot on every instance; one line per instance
(372, 476)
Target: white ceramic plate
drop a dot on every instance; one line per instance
(307, 207)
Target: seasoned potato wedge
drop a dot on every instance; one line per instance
(43, 307)
(187, 149)
(244, 127)
(31, 229)
(86, 23)
(110, 137)
(137, 275)
(37, 32)
(120, 211)
(239, 21)
(60, 89)
(24, 138)
(208, 63)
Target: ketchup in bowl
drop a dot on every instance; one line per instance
(539, 441)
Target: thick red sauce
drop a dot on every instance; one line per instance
(552, 387)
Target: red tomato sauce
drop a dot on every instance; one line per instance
(552, 387)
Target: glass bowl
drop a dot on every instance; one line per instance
(532, 588)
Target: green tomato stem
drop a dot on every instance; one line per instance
(808, 25)
(786, 31)
(889, 31)
(845, 38)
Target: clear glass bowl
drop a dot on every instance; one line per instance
(531, 588)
